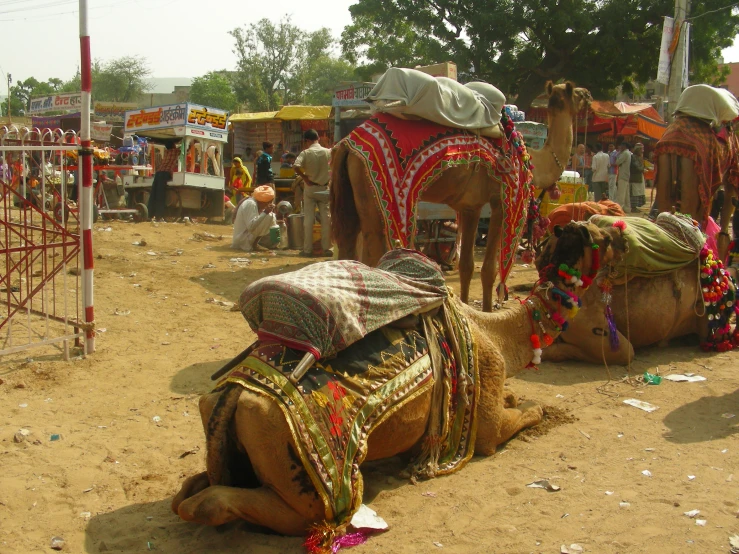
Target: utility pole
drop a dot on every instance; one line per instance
(675, 88)
(10, 80)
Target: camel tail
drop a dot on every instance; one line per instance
(344, 215)
(218, 434)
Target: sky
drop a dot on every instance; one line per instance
(178, 38)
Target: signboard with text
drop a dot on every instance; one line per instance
(56, 103)
(352, 95)
(159, 117)
(197, 120)
(101, 131)
(113, 110)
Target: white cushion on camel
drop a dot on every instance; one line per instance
(715, 105)
(411, 94)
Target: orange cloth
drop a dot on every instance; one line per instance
(581, 211)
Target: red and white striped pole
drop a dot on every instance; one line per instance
(85, 196)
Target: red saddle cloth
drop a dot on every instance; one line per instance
(403, 158)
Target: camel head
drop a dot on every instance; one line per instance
(573, 247)
(566, 97)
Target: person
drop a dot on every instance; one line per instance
(636, 178)
(4, 171)
(577, 161)
(612, 170)
(286, 167)
(170, 164)
(312, 166)
(599, 184)
(191, 158)
(228, 210)
(214, 160)
(623, 187)
(254, 217)
(239, 180)
(264, 165)
(588, 166)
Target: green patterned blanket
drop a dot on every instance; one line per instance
(339, 402)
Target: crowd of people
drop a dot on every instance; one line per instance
(617, 174)
(254, 209)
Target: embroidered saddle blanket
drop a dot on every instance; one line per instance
(325, 307)
(712, 156)
(404, 158)
(339, 402)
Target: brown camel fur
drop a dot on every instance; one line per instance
(263, 457)
(677, 187)
(467, 190)
(647, 311)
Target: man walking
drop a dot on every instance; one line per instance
(601, 162)
(623, 187)
(170, 164)
(312, 166)
(612, 171)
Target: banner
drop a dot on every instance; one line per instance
(101, 131)
(663, 68)
(57, 102)
(156, 118)
(686, 47)
(206, 118)
(113, 110)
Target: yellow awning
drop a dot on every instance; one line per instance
(256, 116)
(288, 113)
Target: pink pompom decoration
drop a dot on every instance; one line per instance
(620, 224)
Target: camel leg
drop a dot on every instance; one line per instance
(727, 213)
(690, 201)
(218, 505)
(489, 266)
(468, 220)
(664, 184)
(347, 245)
(496, 422)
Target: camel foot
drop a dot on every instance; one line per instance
(192, 486)
(509, 399)
(219, 505)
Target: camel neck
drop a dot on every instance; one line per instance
(559, 137)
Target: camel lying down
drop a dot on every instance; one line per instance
(269, 486)
(645, 310)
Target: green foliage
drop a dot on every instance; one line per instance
(121, 80)
(279, 63)
(22, 92)
(520, 44)
(213, 89)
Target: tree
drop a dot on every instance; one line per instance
(121, 80)
(22, 92)
(280, 63)
(518, 45)
(213, 89)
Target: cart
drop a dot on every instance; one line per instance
(197, 189)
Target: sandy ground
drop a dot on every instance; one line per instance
(130, 432)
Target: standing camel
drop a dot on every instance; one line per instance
(466, 189)
(697, 155)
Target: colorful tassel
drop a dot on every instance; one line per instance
(612, 331)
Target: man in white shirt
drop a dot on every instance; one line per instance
(254, 217)
(312, 166)
(623, 187)
(599, 184)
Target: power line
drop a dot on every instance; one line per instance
(734, 5)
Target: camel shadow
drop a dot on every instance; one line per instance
(153, 526)
(195, 378)
(703, 420)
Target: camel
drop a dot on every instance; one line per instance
(465, 189)
(684, 179)
(646, 310)
(274, 489)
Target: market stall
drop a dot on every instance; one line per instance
(197, 189)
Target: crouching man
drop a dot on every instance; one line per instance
(254, 217)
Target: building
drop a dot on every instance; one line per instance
(732, 79)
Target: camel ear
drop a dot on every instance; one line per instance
(586, 235)
(549, 88)
(569, 88)
(557, 231)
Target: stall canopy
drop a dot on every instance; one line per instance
(254, 117)
(287, 113)
(611, 119)
(623, 119)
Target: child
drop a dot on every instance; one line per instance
(264, 165)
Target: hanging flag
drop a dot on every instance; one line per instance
(686, 47)
(663, 68)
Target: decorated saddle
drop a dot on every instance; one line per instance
(326, 307)
(652, 249)
(404, 158)
(339, 402)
